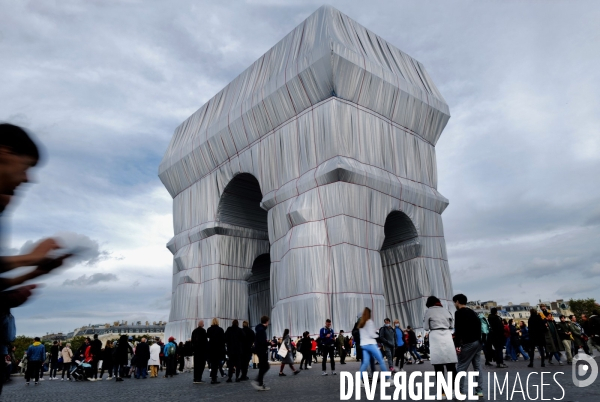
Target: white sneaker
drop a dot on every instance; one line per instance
(41, 379)
(560, 363)
(309, 367)
(333, 373)
(108, 378)
(62, 379)
(324, 373)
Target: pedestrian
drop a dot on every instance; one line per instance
(515, 342)
(537, 337)
(553, 343)
(142, 354)
(53, 361)
(486, 343)
(368, 343)
(313, 351)
(289, 356)
(341, 346)
(234, 338)
(200, 349)
(216, 348)
(121, 357)
(305, 350)
(593, 331)
(261, 346)
(579, 338)
(387, 338)
(36, 353)
(107, 360)
(327, 347)
(467, 340)
(400, 349)
(249, 337)
(412, 345)
(273, 345)
(154, 361)
(440, 322)
(565, 334)
(170, 352)
(496, 337)
(96, 350)
(67, 356)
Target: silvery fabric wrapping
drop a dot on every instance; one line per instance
(306, 188)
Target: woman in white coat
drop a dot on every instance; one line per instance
(440, 322)
(154, 361)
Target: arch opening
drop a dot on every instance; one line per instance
(259, 287)
(240, 204)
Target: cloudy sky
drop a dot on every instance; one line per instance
(103, 84)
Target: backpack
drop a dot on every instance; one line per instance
(485, 326)
(172, 349)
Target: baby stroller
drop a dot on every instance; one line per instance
(81, 371)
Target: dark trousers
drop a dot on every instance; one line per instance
(33, 370)
(215, 362)
(498, 352)
(488, 351)
(263, 366)
(246, 356)
(328, 351)
(108, 366)
(342, 356)
(541, 351)
(181, 361)
(66, 367)
(399, 355)
(171, 365)
(53, 368)
(306, 359)
(234, 365)
(199, 363)
(94, 364)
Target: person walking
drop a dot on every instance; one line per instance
(261, 346)
(368, 343)
(53, 361)
(553, 343)
(412, 345)
(387, 338)
(400, 345)
(216, 348)
(340, 343)
(234, 338)
(247, 343)
(537, 337)
(200, 349)
(36, 353)
(486, 343)
(565, 334)
(313, 352)
(96, 351)
(107, 360)
(467, 340)
(170, 351)
(289, 357)
(305, 349)
(273, 345)
(142, 355)
(327, 346)
(579, 338)
(67, 356)
(515, 342)
(154, 360)
(496, 337)
(121, 357)
(440, 322)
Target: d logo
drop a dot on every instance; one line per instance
(586, 364)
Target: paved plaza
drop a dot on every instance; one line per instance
(309, 385)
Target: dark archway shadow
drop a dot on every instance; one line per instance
(240, 204)
(259, 289)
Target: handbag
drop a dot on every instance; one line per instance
(282, 351)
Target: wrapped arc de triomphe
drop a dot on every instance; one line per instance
(306, 188)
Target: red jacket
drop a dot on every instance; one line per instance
(88, 354)
(506, 331)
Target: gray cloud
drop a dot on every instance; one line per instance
(91, 280)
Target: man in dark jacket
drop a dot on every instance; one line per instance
(246, 349)
(497, 336)
(261, 346)
(142, 355)
(216, 348)
(200, 348)
(234, 338)
(387, 335)
(327, 346)
(54, 349)
(537, 338)
(96, 345)
(593, 331)
(565, 333)
(467, 339)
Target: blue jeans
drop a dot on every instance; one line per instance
(509, 348)
(141, 371)
(513, 353)
(368, 351)
(412, 349)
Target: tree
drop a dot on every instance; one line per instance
(582, 306)
(21, 343)
(76, 343)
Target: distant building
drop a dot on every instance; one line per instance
(114, 331)
(54, 337)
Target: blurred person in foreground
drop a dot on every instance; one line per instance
(18, 154)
